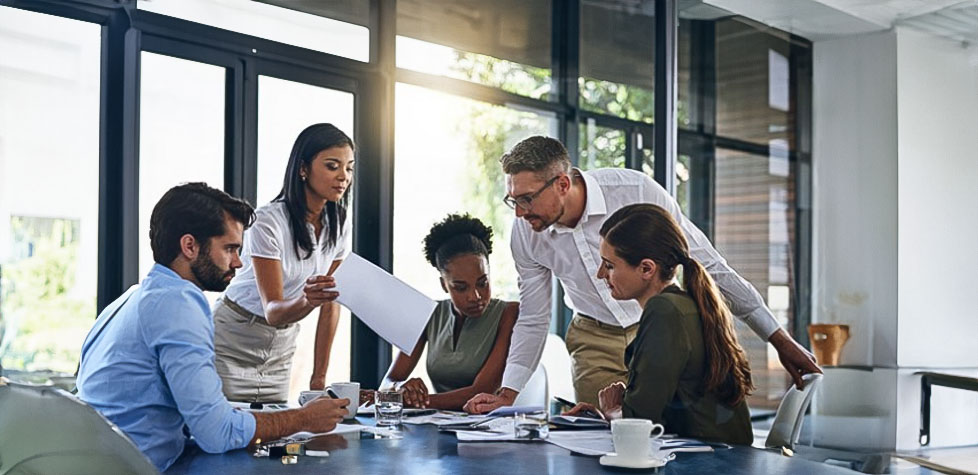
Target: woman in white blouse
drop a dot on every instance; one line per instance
(289, 253)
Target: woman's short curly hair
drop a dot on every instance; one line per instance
(456, 235)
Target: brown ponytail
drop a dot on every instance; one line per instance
(729, 372)
(646, 231)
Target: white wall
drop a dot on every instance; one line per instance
(895, 171)
(855, 193)
(937, 93)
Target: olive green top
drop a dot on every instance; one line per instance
(666, 363)
(452, 366)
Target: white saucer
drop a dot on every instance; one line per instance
(613, 460)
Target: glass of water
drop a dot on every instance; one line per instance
(388, 406)
(531, 426)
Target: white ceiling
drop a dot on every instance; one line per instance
(825, 19)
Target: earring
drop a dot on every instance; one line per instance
(303, 177)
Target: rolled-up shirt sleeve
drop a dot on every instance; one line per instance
(744, 300)
(184, 344)
(530, 331)
(264, 238)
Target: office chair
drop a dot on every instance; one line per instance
(535, 391)
(47, 430)
(557, 361)
(791, 413)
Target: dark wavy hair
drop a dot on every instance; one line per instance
(195, 209)
(646, 231)
(456, 235)
(311, 141)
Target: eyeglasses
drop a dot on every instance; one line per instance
(525, 202)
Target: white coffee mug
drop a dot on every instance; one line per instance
(349, 391)
(633, 437)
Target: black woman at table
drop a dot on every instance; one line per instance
(468, 334)
(289, 255)
(686, 369)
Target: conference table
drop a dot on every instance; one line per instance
(425, 450)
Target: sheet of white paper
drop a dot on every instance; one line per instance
(392, 309)
(340, 429)
(444, 419)
(499, 430)
(599, 442)
(513, 410)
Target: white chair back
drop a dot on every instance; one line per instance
(557, 360)
(535, 391)
(791, 413)
(47, 430)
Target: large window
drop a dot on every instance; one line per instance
(504, 44)
(181, 133)
(740, 182)
(49, 186)
(448, 151)
(331, 27)
(285, 108)
(617, 57)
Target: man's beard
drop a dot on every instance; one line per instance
(546, 224)
(209, 275)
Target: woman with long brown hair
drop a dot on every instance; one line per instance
(686, 369)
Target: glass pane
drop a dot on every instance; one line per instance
(617, 58)
(754, 94)
(755, 202)
(504, 44)
(181, 133)
(49, 184)
(601, 147)
(448, 150)
(683, 190)
(285, 108)
(317, 30)
(470, 138)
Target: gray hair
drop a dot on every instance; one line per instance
(541, 155)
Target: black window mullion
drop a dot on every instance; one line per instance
(565, 54)
(370, 355)
(801, 70)
(665, 94)
(248, 131)
(118, 159)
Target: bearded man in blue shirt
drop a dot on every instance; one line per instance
(148, 363)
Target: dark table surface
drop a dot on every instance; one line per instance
(424, 450)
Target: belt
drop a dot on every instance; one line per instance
(601, 324)
(254, 317)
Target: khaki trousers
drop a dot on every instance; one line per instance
(253, 358)
(597, 353)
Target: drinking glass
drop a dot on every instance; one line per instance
(531, 426)
(388, 406)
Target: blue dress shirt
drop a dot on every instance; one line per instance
(151, 371)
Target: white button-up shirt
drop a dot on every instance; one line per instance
(572, 255)
(271, 238)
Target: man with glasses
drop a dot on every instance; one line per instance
(562, 210)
